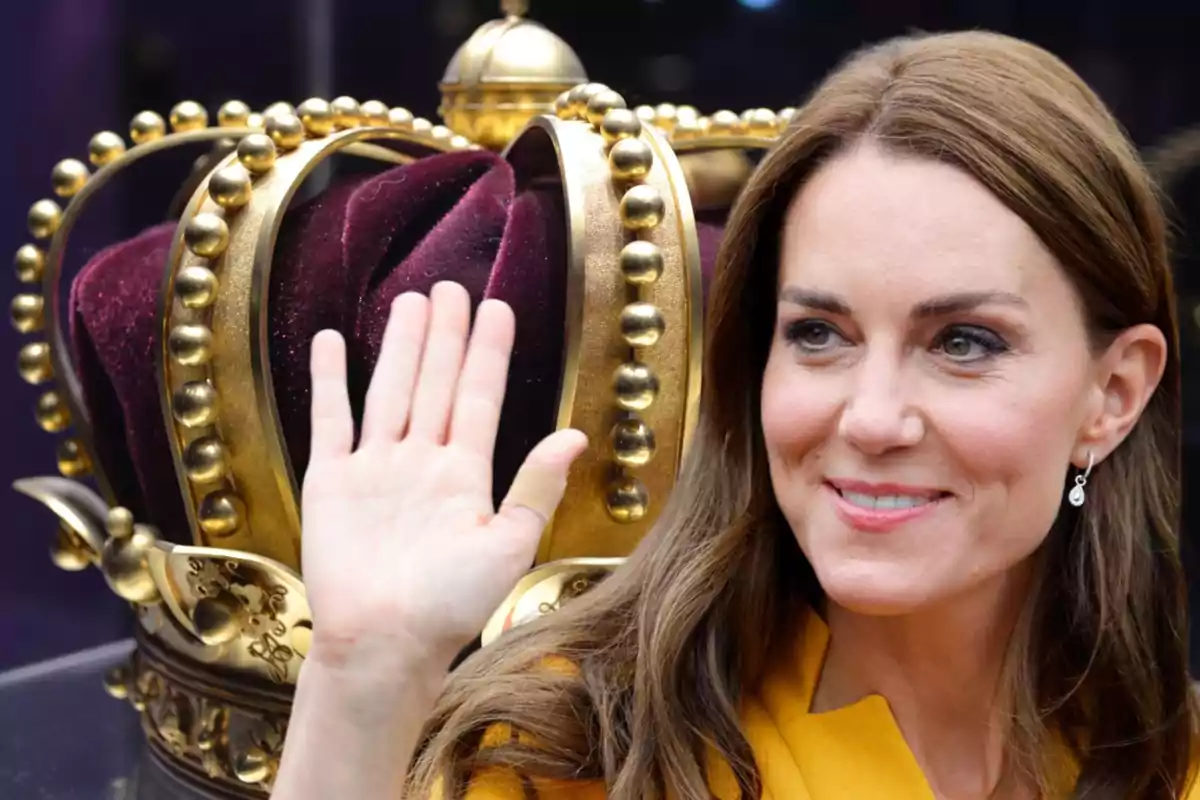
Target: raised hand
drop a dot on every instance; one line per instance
(403, 549)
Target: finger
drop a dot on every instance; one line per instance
(484, 378)
(538, 488)
(390, 395)
(445, 344)
(332, 422)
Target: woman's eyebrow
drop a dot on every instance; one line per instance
(942, 305)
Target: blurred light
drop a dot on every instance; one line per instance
(453, 18)
(758, 5)
(671, 73)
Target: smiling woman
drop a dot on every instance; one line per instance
(943, 301)
(948, 381)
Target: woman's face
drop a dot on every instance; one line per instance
(929, 384)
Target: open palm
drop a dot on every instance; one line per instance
(402, 546)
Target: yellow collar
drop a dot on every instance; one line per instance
(853, 752)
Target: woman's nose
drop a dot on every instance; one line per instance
(877, 417)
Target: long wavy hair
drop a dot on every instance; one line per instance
(664, 650)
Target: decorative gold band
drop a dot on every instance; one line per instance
(219, 733)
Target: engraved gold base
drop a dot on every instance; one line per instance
(219, 733)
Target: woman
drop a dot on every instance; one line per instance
(925, 544)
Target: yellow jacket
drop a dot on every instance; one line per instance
(852, 753)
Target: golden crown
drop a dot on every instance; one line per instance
(224, 625)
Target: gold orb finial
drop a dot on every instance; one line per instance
(508, 72)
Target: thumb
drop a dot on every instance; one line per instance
(539, 485)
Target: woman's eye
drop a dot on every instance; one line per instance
(813, 335)
(966, 343)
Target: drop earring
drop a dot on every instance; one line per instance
(1076, 496)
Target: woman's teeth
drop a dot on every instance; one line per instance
(884, 502)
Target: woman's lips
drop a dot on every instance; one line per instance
(880, 508)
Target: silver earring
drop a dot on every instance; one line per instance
(1077, 495)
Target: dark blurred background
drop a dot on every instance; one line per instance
(75, 67)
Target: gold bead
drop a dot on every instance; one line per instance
(665, 116)
(562, 105)
(195, 404)
(645, 113)
(687, 128)
(29, 263)
(255, 120)
(278, 109)
(601, 103)
(633, 442)
(785, 116)
(68, 553)
(252, 765)
(575, 94)
(317, 116)
(346, 112)
(69, 176)
(147, 126)
(218, 620)
(642, 324)
(188, 116)
(196, 286)
(51, 413)
(116, 683)
(206, 235)
(581, 95)
(642, 208)
(105, 148)
(686, 112)
(724, 123)
(460, 143)
(73, 460)
(576, 102)
(119, 522)
(630, 160)
(221, 513)
(285, 130)
(636, 386)
(374, 113)
(760, 122)
(641, 262)
(26, 313)
(421, 125)
(44, 218)
(618, 124)
(400, 118)
(125, 566)
(33, 363)
(205, 460)
(440, 133)
(627, 500)
(233, 114)
(190, 345)
(256, 152)
(231, 187)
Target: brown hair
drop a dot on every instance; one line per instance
(664, 650)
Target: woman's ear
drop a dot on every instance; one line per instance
(1127, 375)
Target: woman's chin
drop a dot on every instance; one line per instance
(876, 592)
